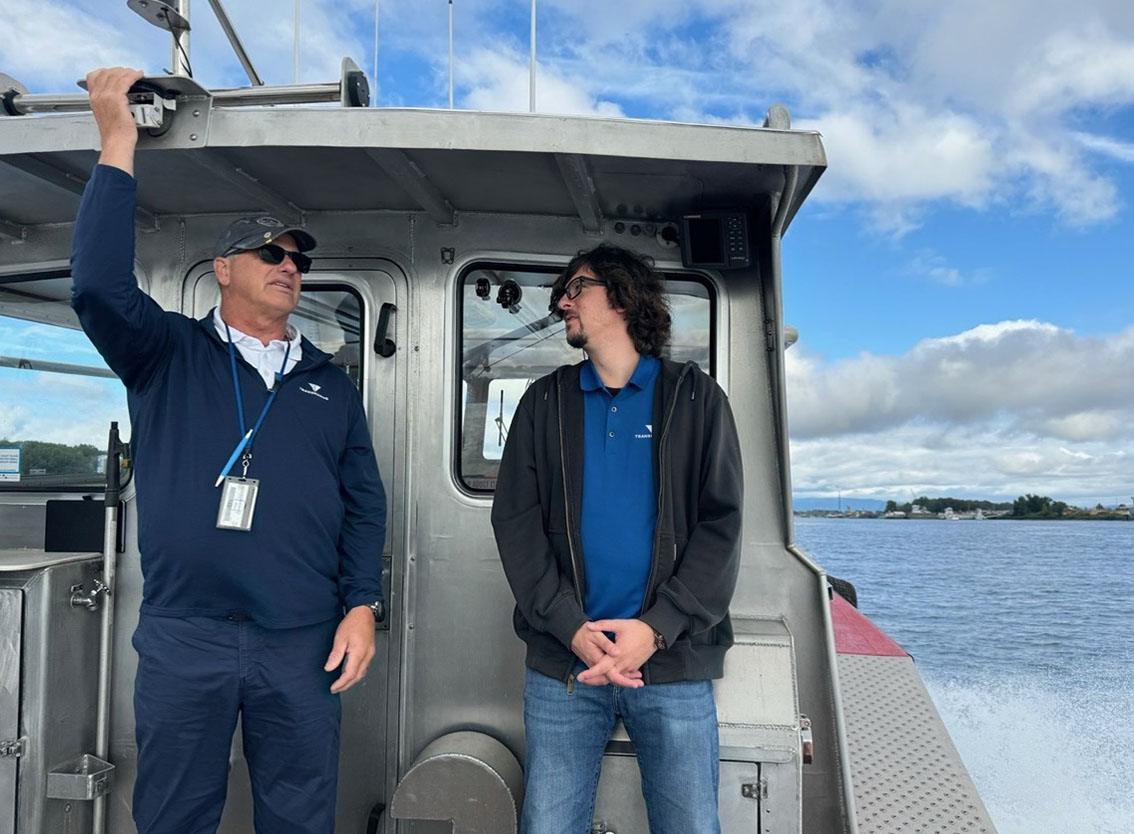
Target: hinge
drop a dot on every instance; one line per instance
(770, 335)
(13, 748)
(755, 790)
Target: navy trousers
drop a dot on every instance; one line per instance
(195, 676)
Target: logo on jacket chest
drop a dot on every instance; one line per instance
(313, 389)
(649, 433)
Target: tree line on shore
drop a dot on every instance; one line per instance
(1026, 506)
(40, 458)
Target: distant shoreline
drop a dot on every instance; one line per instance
(859, 514)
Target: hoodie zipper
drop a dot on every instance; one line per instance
(661, 484)
(567, 492)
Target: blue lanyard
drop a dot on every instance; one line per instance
(245, 442)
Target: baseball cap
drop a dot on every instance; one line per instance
(254, 232)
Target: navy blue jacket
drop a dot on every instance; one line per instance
(316, 540)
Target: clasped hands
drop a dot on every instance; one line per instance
(618, 661)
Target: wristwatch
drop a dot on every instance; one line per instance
(659, 641)
(378, 609)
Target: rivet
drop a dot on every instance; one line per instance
(192, 137)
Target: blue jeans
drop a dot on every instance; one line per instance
(673, 727)
(195, 675)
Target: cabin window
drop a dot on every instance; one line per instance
(330, 316)
(58, 395)
(509, 339)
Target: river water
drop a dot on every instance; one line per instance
(1024, 633)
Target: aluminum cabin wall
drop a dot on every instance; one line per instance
(463, 666)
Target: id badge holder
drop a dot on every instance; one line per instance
(238, 502)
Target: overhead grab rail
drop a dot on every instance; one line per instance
(155, 95)
(154, 99)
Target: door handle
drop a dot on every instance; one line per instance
(384, 346)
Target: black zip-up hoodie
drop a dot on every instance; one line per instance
(698, 482)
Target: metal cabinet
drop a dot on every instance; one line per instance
(48, 690)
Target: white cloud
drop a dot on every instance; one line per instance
(57, 408)
(970, 103)
(1086, 425)
(904, 153)
(934, 267)
(1087, 64)
(1004, 408)
(1107, 146)
(49, 45)
(498, 78)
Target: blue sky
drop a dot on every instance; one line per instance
(961, 277)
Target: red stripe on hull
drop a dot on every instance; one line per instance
(855, 634)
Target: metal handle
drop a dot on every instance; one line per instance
(806, 739)
(383, 346)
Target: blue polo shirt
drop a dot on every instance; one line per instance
(619, 504)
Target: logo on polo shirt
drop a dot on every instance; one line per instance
(314, 390)
(648, 435)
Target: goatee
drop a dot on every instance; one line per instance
(578, 339)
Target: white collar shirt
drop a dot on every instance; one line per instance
(266, 359)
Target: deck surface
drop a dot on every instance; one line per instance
(908, 777)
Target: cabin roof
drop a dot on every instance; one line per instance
(293, 160)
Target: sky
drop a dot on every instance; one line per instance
(961, 275)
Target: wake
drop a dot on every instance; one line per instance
(1049, 755)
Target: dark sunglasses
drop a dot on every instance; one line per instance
(572, 289)
(271, 254)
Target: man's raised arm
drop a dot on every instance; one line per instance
(118, 135)
(127, 327)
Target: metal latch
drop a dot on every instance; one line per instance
(806, 739)
(149, 108)
(13, 748)
(755, 790)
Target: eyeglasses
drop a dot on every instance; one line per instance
(271, 254)
(572, 289)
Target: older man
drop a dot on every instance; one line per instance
(261, 514)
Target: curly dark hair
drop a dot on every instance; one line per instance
(632, 284)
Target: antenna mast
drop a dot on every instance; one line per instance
(450, 54)
(295, 41)
(374, 100)
(531, 71)
(179, 62)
